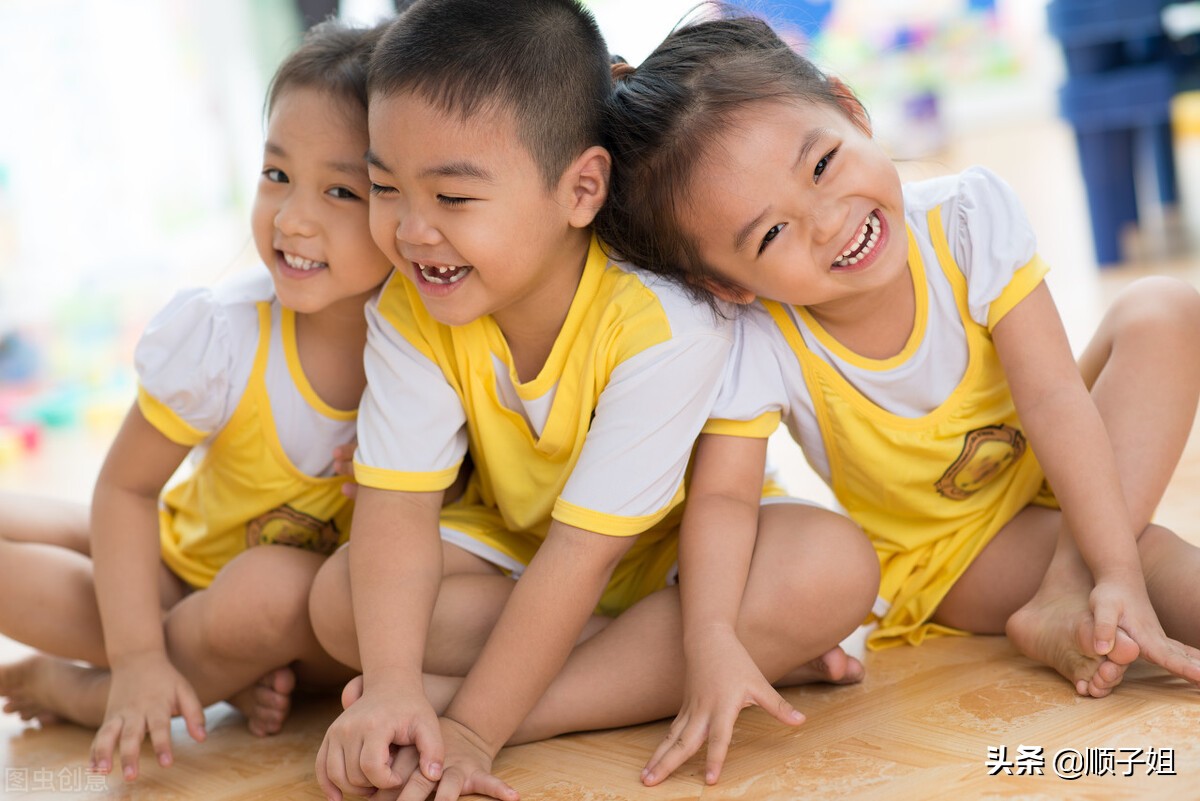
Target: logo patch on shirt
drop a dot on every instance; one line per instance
(287, 526)
(986, 453)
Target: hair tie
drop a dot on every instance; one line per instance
(621, 69)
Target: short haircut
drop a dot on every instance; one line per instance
(542, 61)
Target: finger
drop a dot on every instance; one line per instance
(417, 788)
(777, 706)
(405, 762)
(666, 744)
(450, 787)
(131, 744)
(160, 740)
(327, 787)
(103, 745)
(721, 732)
(680, 751)
(335, 766)
(193, 715)
(485, 784)
(1174, 657)
(428, 739)
(1105, 615)
(374, 765)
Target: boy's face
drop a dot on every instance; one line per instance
(462, 210)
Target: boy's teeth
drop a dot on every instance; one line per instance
(862, 245)
(298, 263)
(443, 275)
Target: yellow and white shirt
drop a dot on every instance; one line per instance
(600, 439)
(219, 371)
(924, 449)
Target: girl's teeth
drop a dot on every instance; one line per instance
(867, 238)
(298, 263)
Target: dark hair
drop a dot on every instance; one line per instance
(333, 58)
(544, 61)
(663, 117)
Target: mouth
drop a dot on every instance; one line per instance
(862, 245)
(302, 264)
(443, 274)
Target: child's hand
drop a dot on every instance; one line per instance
(356, 755)
(722, 681)
(144, 695)
(343, 465)
(468, 770)
(1122, 601)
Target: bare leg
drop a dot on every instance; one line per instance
(234, 635)
(470, 600)
(812, 580)
(1148, 346)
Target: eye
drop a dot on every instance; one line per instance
(380, 189)
(823, 164)
(770, 235)
(450, 200)
(342, 193)
(275, 175)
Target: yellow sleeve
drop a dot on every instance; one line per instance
(760, 427)
(169, 424)
(1024, 281)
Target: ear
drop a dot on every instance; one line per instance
(850, 105)
(727, 293)
(583, 187)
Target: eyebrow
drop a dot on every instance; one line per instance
(375, 161)
(458, 169)
(810, 141)
(347, 167)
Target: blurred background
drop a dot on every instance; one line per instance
(130, 140)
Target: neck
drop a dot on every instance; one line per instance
(531, 325)
(875, 324)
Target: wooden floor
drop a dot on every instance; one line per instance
(930, 722)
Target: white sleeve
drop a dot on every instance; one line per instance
(753, 396)
(989, 235)
(411, 424)
(645, 424)
(193, 360)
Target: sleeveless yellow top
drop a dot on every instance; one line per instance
(245, 491)
(929, 491)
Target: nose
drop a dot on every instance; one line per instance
(414, 228)
(828, 220)
(296, 217)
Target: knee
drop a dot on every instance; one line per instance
(259, 603)
(830, 579)
(330, 610)
(1161, 306)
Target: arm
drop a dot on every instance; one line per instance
(146, 689)
(1071, 442)
(533, 638)
(395, 569)
(716, 542)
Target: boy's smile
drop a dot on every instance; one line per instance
(464, 211)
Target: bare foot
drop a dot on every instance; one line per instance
(834, 666)
(49, 690)
(267, 702)
(1057, 631)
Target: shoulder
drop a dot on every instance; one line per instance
(646, 296)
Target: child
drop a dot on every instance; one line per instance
(577, 385)
(203, 588)
(918, 359)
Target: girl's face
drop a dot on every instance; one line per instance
(310, 211)
(797, 204)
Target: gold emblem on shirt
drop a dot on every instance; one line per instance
(287, 526)
(986, 453)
